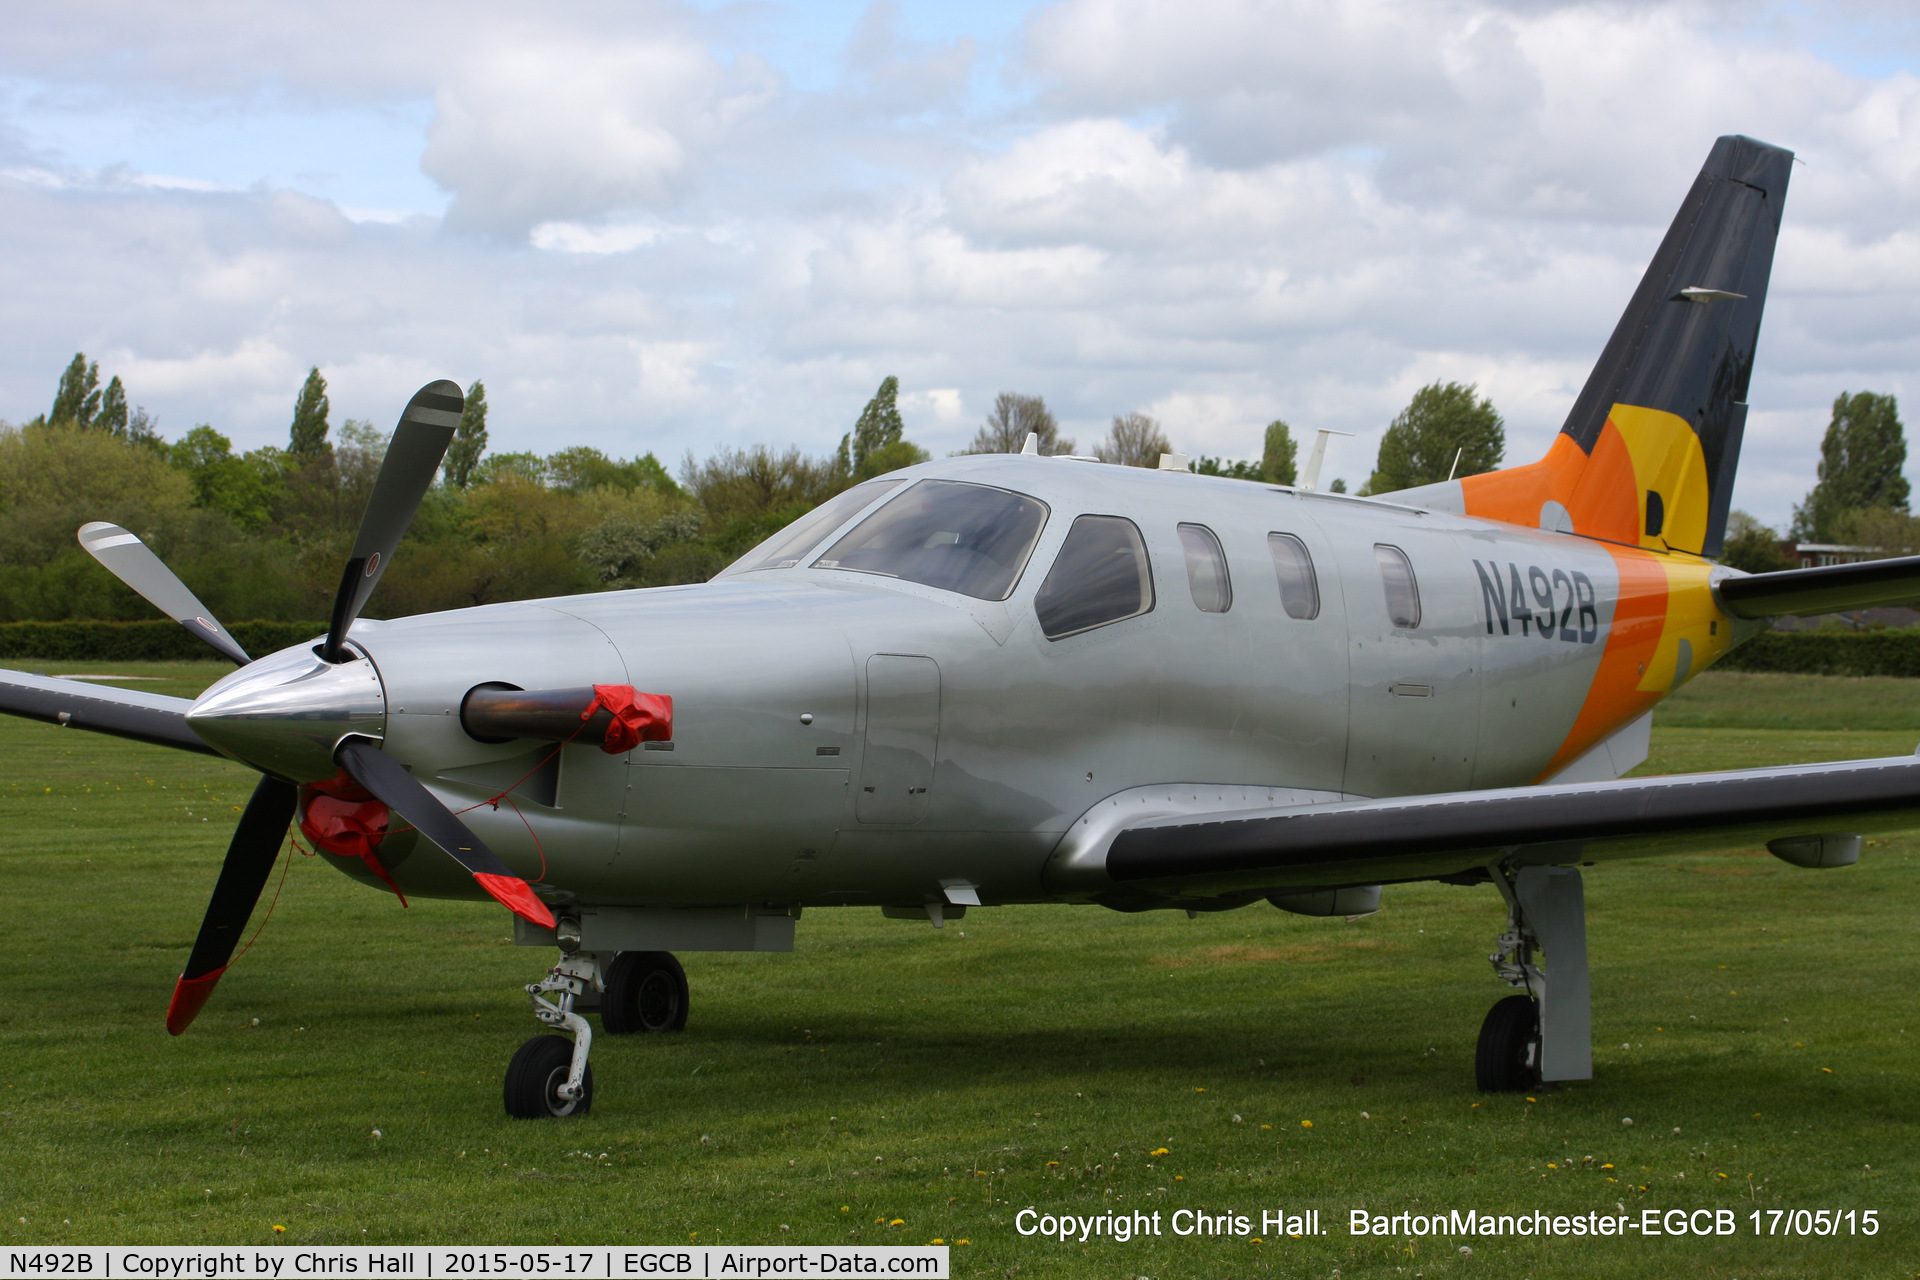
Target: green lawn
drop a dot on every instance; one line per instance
(1754, 1020)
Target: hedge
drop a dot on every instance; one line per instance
(159, 640)
(1888, 652)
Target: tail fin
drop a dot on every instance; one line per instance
(1647, 455)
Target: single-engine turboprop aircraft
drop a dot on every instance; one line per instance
(1018, 679)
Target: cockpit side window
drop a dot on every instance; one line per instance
(1206, 569)
(969, 538)
(786, 548)
(1101, 576)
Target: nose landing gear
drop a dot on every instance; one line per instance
(548, 1076)
(640, 992)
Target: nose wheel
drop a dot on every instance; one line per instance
(549, 1076)
(540, 1081)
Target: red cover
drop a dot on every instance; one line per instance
(340, 816)
(637, 717)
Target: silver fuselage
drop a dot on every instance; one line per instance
(842, 737)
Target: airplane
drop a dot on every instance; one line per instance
(1015, 678)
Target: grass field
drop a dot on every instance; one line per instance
(1756, 1022)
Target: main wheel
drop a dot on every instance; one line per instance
(646, 992)
(1508, 1058)
(535, 1075)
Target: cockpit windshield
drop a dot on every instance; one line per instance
(969, 538)
(785, 548)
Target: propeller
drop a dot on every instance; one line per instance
(254, 849)
(390, 783)
(413, 459)
(133, 562)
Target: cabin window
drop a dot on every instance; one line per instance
(1299, 588)
(1403, 593)
(1206, 569)
(1100, 576)
(789, 546)
(969, 538)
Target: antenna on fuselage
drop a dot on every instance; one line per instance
(1311, 480)
(1031, 449)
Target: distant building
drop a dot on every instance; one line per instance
(1812, 555)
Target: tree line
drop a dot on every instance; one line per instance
(261, 534)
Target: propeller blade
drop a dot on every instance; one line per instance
(412, 461)
(394, 787)
(133, 562)
(250, 857)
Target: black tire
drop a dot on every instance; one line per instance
(535, 1075)
(646, 993)
(1508, 1057)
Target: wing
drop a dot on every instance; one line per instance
(1806, 593)
(124, 713)
(1434, 837)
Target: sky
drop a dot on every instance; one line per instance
(659, 226)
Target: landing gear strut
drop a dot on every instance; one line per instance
(549, 1077)
(1546, 1034)
(641, 991)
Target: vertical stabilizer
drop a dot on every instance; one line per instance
(1647, 456)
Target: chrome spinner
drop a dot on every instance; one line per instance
(288, 712)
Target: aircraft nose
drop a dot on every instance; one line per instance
(286, 713)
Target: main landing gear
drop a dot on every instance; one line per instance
(1546, 1034)
(641, 991)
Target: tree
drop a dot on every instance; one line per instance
(1134, 440)
(1014, 417)
(1443, 422)
(879, 426)
(308, 440)
(78, 398)
(243, 487)
(469, 438)
(1861, 458)
(1277, 459)
(112, 417)
(1753, 546)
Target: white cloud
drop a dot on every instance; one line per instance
(1221, 211)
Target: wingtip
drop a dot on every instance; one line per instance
(516, 895)
(189, 997)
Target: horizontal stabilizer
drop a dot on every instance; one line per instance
(124, 713)
(1427, 837)
(1831, 588)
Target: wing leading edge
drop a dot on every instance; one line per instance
(1428, 837)
(123, 713)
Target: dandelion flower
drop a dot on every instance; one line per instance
(1157, 1151)
(898, 1222)
(1306, 1124)
(279, 1230)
